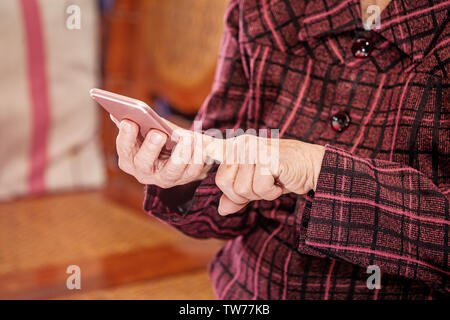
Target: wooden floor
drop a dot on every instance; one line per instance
(122, 253)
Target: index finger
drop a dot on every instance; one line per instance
(127, 145)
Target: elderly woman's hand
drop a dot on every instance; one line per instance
(267, 172)
(251, 168)
(142, 159)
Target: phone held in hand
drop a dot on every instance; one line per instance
(122, 107)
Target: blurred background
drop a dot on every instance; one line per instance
(63, 200)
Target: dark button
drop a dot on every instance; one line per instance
(362, 48)
(340, 121)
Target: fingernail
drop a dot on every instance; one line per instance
(156, 138)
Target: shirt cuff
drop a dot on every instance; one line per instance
(175, 203)
(177, 199)
(319, 220)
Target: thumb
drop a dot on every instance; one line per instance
(226, 206)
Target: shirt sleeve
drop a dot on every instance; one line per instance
(198, 216)
(372, 212)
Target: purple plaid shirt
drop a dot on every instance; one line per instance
(383, 193)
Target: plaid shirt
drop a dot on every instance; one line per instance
(383, 192)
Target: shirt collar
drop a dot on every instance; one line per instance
(412, 25)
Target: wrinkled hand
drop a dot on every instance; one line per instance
(251, 168)
(292, 167)
(142, 159)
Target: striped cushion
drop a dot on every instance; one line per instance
(48, 124)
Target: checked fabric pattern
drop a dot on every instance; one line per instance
(383, 192)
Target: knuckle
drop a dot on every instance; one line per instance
(221, 181)
(171, 174)
(259, 188)
(156, 180)
(151, 147)
(270, 197)
(241, 189)
(121, 139)
(165, 185)
(194, 171)
(142, 167)
(124, 165)
(141, 180)
(161, 184)
(124, 148)
(190, 173)
(119, 145)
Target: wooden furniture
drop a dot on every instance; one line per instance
(122, 253)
